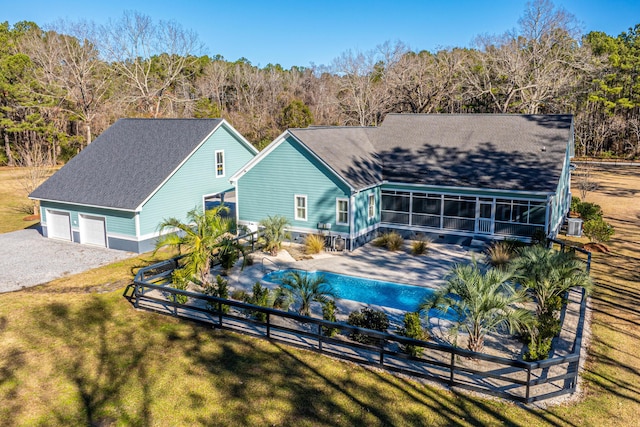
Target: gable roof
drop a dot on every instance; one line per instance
(489, 151)
(346, 150)
(128, 162)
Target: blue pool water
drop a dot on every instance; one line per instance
(367, 291)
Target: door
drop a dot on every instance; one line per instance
(59, 225)
(93, 230)
(484, 222)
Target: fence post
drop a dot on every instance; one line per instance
(589, 262)
(319, 337)
(135, 290)
(220, 313)
(175, 305)
(268, 325)
(452, 367)
(528, 383)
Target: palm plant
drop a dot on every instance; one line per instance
(484, 302)
(197, 239)
(306, 288)
(548, 274)
(274, 233)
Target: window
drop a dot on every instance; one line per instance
(342, 211)
(372, 206)
(219, 164)
(301, 208)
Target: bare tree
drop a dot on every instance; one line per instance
(585, 181)
(35, 161)
(532, 68)
(361, 82)
(150, 57)
(70, 70)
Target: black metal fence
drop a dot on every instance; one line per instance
(581, 254)
(512, 379)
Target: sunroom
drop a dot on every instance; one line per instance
(473, 215)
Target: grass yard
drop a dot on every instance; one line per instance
(75, 352)
(14, 204)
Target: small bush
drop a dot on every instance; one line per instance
(589, 211)
(575, 202)
(219, 289)
(391, 240)
(329, 313)
(180, 279)
(413, 329)
(282, 300)
(370, 319)
(499, 254)
(598, 230)
(538, 349)
(539, 237)
(260, 297)
(314, 244)
(381, 240)
(420, 245)
(239, 295)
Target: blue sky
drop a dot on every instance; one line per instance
(305, 32)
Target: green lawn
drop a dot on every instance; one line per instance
(75, 352)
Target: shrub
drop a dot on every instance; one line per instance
(329, 313)
(575, 202)
(546, 327)
(282, 300)
(499, 254)
(539, 237)
(598, 230)
(420, 245)
(180, 279)
(391, 240)
(589, 211)
(370, 319)
(260, 297)
(314, 244)
(538, 349)
(239, 295)
(274, 233)
(413, 329)
(219, 289)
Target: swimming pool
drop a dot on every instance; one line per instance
(368, 291)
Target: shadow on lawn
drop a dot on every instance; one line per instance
(96, 362)
(9, 383)
(265, 383)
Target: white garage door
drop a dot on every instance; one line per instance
(92, 230)
(59, 225)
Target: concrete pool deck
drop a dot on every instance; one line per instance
(370, 262)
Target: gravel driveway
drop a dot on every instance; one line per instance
(28, 259)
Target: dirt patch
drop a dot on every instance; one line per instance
(596, 247)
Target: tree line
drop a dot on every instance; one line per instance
(63, 84)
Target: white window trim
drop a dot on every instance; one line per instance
(224, 169)
(338, 200)
(295, 207)
(371, 207)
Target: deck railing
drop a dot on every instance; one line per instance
(512, 379)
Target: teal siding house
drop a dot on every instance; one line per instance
(460, 177)
(137, 173)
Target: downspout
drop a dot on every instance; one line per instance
(352, 221)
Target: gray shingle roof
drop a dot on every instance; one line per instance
(126, 163)
(490, 151)
(347, 150)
